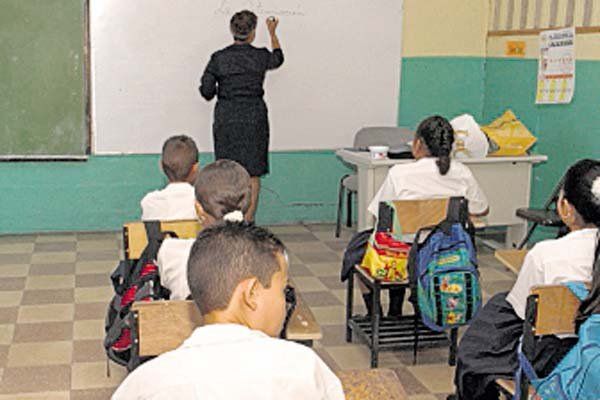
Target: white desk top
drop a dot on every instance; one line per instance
(363, 158)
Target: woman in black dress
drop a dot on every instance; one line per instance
(235, 75)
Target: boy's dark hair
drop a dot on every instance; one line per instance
(225, 255)
(222, 187)
(242, 24)
(179, 154)
(438, 135)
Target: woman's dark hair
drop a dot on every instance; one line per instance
(223, 187)
(581, 188)
(438, 136)
(242, 24)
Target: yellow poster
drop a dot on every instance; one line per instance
(556, 67)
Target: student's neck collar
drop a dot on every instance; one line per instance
(221, 317)
(579, 227)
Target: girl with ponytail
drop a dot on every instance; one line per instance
(433, 174)
(488, 349)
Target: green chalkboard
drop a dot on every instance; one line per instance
(42, 95)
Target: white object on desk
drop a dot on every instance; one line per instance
(506, 181)
(378, 152)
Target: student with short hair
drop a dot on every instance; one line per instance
(237, 274)
(179, 162)
(222, 192)
(488, 349)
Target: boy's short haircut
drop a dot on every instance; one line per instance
(223, 187)
(227, 254)
(179, 155)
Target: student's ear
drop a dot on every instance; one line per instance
(250, 293)
(200, 211)
(566, 211)
(192, 175)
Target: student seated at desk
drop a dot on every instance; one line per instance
(222, 192)
(432, 175)
(237, 274)
(176, 201)
(488, 349)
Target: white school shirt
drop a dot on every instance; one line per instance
(421, 180)
(230, 361)
(172, 262)
(569, 258)
(176, 201)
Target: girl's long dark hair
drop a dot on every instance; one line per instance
(438, 135)
(582, 190)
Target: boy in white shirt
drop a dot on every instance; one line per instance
(488, 349)
(237, 274)
(179, 162)
(222, 192)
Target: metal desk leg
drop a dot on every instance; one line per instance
(375, 321)
(349, 305)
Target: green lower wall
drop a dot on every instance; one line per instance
(448, 86)
(565, 132)
(105, 191)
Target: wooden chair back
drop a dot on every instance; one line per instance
(413, 215)
(555, 311)
(372, 384)
(135, 239)
(161, 326)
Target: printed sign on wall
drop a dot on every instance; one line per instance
(556, 68)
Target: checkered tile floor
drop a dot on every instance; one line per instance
(54, 289)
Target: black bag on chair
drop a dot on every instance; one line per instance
(133, 280)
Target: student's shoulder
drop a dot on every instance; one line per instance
(291, 350)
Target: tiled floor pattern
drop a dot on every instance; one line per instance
(54, 291)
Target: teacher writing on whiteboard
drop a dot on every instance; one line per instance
(236, 75)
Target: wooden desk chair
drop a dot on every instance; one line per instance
(511, 258)
(390, 333)
(161, 326)
(135, 239)
(372, 384)
(551, 310)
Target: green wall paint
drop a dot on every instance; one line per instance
(565, 132)
(105, 191)
(448, 86)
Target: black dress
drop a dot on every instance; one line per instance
(236, 75)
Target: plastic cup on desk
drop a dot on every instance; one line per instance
(378, 152)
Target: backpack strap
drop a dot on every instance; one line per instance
(155, 238)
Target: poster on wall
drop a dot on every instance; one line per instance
(556, 68)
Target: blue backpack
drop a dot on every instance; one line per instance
(444, 276)
(577, 376)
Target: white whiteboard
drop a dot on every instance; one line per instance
(342, 70)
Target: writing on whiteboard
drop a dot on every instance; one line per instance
(260, 7)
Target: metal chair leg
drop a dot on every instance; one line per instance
(527, 236)
(349, 209)
(453, 346)
(338, 222)
(375, 321)
(349, 305)
(416, 338)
